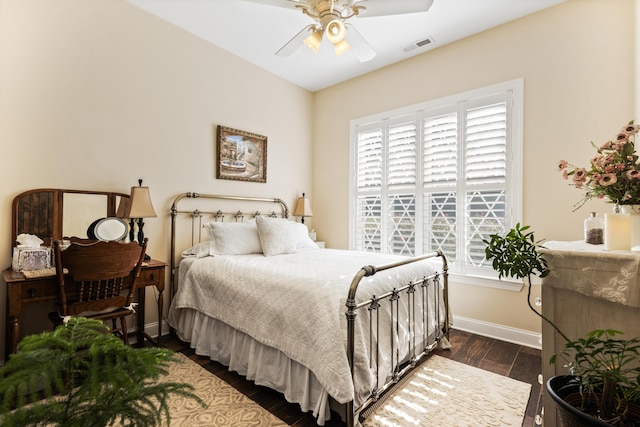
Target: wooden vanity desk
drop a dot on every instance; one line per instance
(51, 214)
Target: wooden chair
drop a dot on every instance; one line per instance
(95, 279)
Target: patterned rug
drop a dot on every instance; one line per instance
(227, 406)
(443, 392)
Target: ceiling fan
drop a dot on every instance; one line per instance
(330, 18)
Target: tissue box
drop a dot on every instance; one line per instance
(30, 258)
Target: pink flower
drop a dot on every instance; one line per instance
(630, 129)
(562, 165)
(622, 137)
(608, 179)
(633, 174)
(580, 176)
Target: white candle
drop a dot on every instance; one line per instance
(617, 232)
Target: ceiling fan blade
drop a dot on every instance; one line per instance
(361, 47)
(289, 4)
(392, 7)
(295, 43)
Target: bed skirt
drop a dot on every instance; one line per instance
(264, 365)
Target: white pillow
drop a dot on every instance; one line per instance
(277, 236)
(234, 238)
(301, 233)
(200, 250)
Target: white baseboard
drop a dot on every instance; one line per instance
(151, 329)
(491, 330)
(500, 332)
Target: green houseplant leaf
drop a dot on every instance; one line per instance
(81, 375)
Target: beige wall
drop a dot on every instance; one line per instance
(96, 94)
(577, 63)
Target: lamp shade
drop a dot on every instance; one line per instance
(341, 48)
(313, 41)
(140, 205)
(335, 31)
(123, 208)
(303, 207)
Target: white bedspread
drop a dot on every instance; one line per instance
(294, 303)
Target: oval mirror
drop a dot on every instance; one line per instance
(108, 229)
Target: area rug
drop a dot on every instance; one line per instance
(443, 392)
(227, 406)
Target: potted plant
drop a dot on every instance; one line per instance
(603, 383)
(81, 375)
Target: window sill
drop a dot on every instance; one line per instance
(488, 282)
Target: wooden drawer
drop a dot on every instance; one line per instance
(41, 289)
(151, 276)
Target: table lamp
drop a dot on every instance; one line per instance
(140, 207)
(303, 208)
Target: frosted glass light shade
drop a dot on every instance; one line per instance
(314, 40)
(335, 31)
(341, 48)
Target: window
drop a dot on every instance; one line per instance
(442, 175)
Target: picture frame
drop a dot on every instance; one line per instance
(242, 155)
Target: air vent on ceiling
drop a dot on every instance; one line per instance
(420, 43)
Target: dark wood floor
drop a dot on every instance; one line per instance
(511, 360)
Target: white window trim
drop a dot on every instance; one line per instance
(514, 185)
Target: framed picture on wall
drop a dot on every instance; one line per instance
(241, 155)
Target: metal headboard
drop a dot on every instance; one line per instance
(218, 215)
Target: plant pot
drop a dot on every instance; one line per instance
(568, 399)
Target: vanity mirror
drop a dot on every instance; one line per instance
(54, 213)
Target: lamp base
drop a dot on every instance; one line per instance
(141, 237)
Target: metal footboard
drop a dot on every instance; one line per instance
(427, 289)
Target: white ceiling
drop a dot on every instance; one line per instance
(255, 32)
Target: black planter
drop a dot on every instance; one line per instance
(567, 398)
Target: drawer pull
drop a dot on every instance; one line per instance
(153, 276)
(32, 293)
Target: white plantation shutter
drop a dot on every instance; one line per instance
(402, 156)
(444, 176)
(486, 145)
(440, 149)
(401, 214)
(486, 174)
(370, 160)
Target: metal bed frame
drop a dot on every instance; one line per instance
(421, 290)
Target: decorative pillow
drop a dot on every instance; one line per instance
(234, 238)
(200, 250)
(277, 236)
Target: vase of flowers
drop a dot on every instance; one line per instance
(613, 175)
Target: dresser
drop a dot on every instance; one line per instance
(52, 213)
(588, 288)
(23, 291)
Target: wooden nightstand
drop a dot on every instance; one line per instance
(22, 292)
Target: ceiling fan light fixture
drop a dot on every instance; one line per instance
(341, 48)
(314, 40)
(335, 31)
